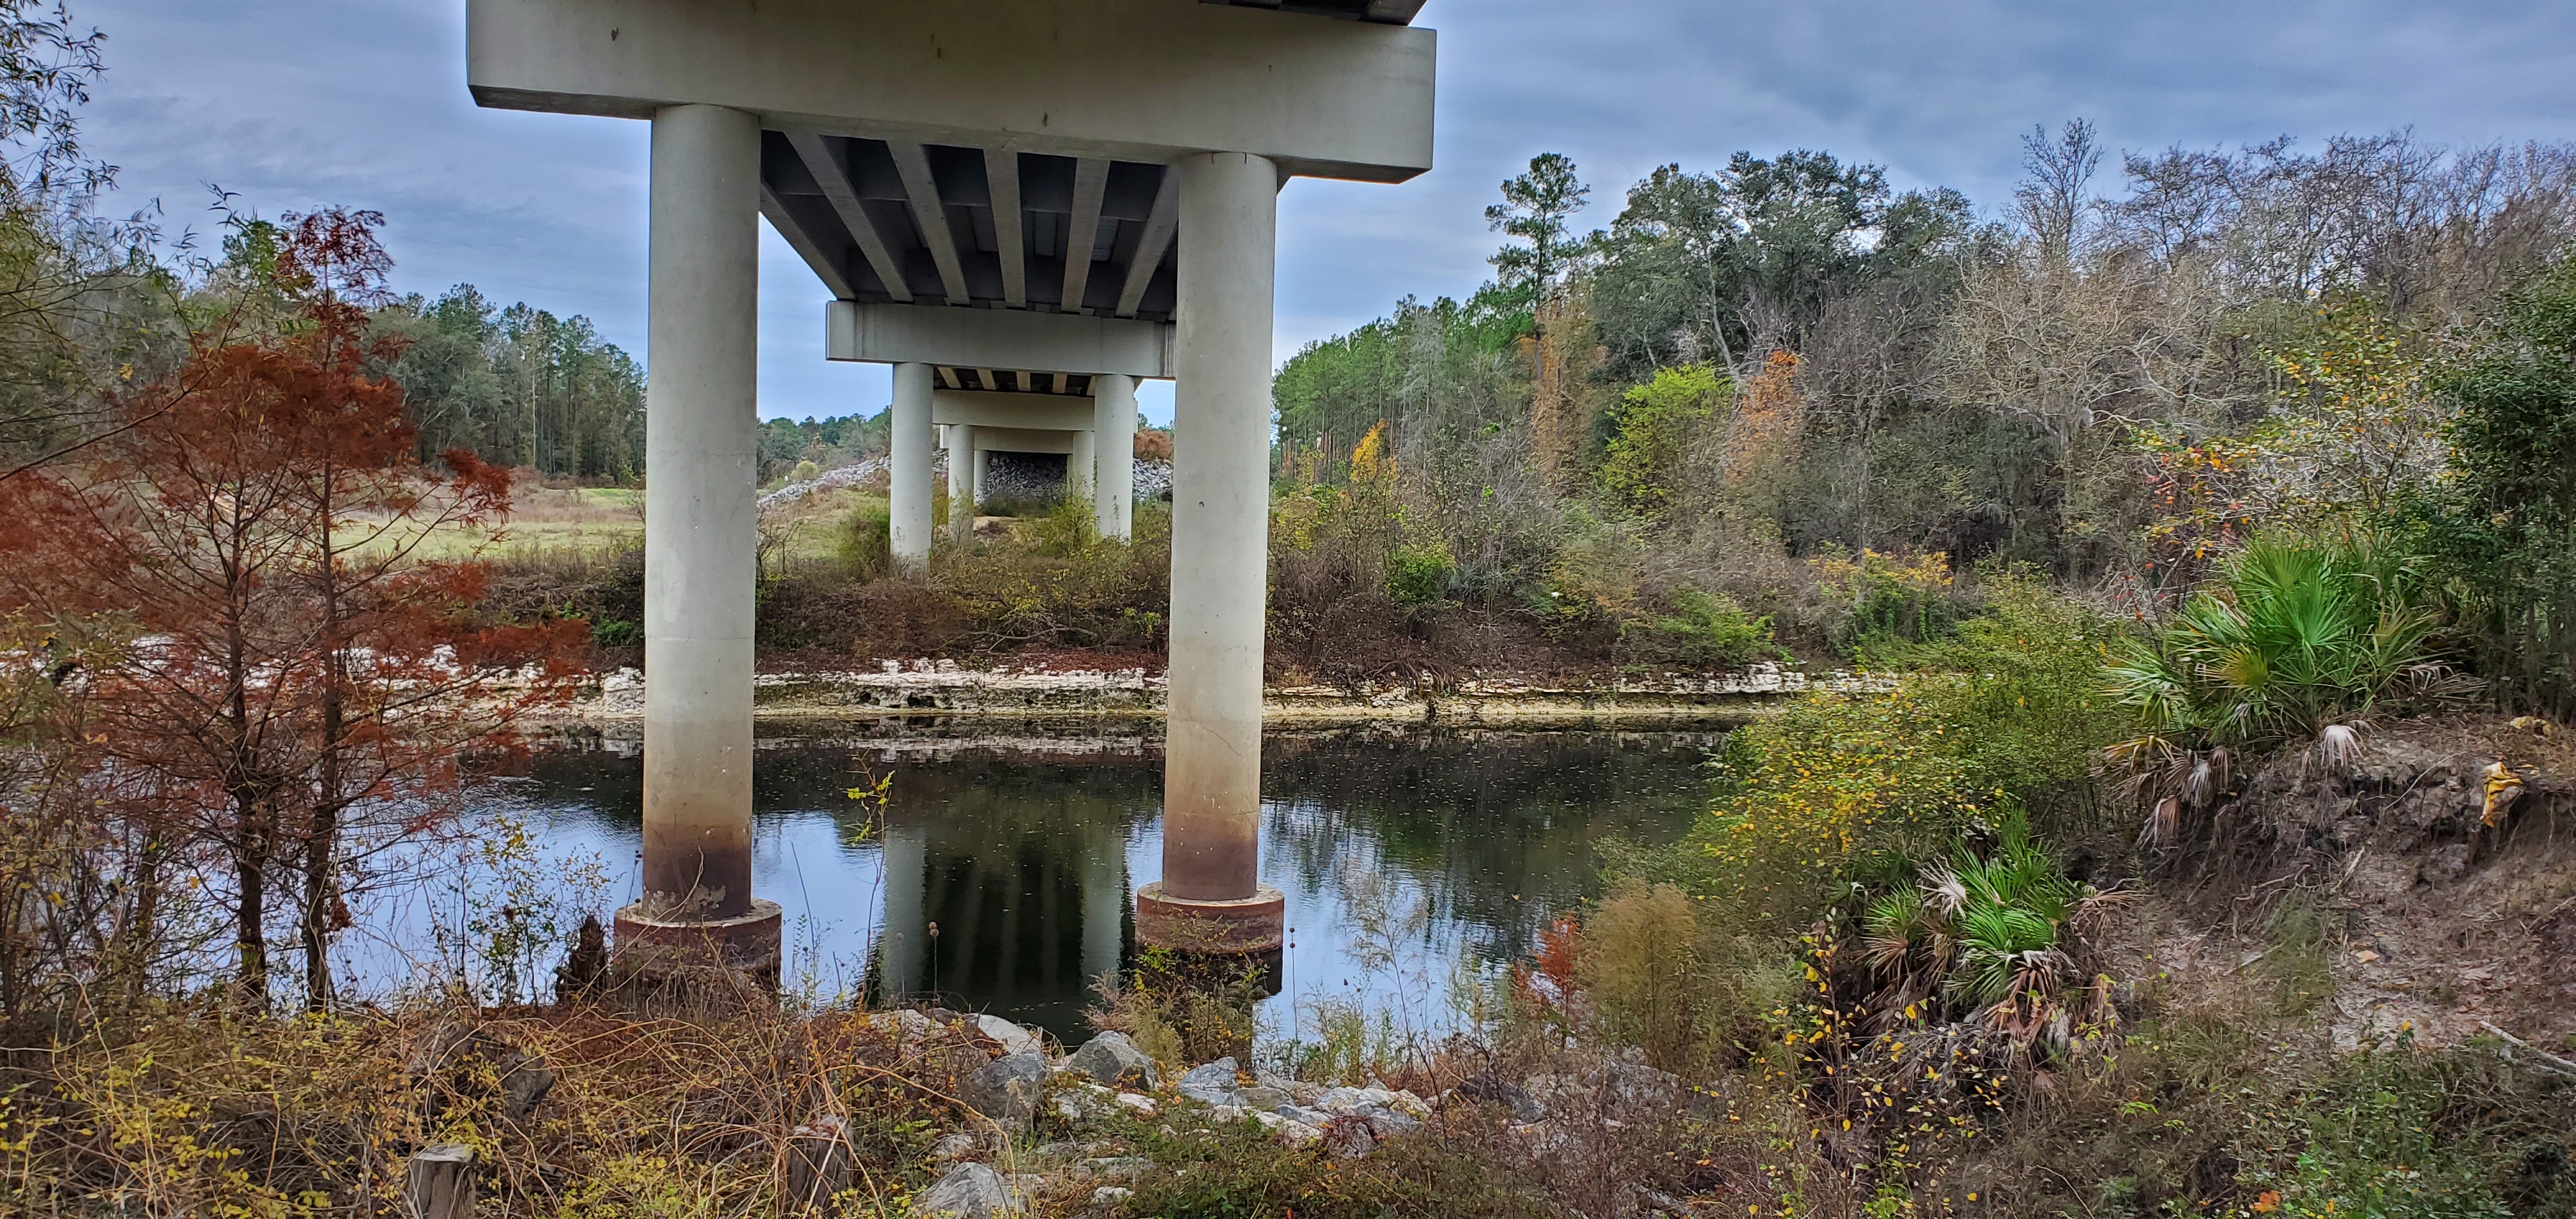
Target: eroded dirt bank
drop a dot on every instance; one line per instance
(2426, 920)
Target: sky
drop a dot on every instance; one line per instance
(292, 104)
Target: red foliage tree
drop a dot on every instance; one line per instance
(290, 656)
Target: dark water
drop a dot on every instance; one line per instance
(1407, 858)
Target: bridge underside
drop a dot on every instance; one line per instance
(1024, 206)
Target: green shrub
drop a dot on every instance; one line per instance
(2018, 689)
(866, 540)
(1890, 601)
(2007, 713)
(2501, 531)
(612, 633)
(1054, 581)
(1652, 426)
(1419, 575)
(1998, 938)
(2294, 635)
(1706, 631)
(2391, 1133)
(1238, 1171)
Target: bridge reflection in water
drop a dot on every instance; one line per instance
(1022, 852)
(1006, 879)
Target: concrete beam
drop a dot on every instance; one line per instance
(1002, 174)
(931, 213)
(826, 267)
(1136, 80)
(1082, 236)
(1054, 412)
(835, 179)
(1027, 440)
(1152, 244)
(1017, 339)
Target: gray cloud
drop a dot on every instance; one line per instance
(297, 102)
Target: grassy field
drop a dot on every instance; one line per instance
(547, 523)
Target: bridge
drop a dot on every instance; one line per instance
(1025, 207)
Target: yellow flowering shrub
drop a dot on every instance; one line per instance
(1840, 789)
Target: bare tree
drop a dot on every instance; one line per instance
(2056, 192)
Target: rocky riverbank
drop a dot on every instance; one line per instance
(1079, 1133)
(944, 688)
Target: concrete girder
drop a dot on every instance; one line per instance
(1002, 181)
(1082, 237)
(834, 177)
(1026, 440)
(1155, 241)
(930, 213)
(1049, 412)
(996, 338)
(827, 268)
(1136, 80)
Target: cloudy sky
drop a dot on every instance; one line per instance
(294, 103)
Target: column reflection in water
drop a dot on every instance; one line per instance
(900, 936)
(1006, 884)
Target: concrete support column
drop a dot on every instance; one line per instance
(1078, 473)
(1113, 431)
(909, 465)
(964, 480)
(1210, 899)
(700, 516)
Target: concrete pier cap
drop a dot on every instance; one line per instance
(1043, 201)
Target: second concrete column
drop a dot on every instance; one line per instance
(1210, 898)
(700, 537)
(908, 488)
(1113, 448)
(962, 481)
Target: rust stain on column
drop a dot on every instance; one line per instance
(1212, 813)
(696, 864)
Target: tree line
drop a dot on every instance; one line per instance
(2113, 378)
(232, 680)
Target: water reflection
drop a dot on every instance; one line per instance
(999, 876)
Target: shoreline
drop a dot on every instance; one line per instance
(944, 690)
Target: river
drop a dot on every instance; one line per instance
(997, 876)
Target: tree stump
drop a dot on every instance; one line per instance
(818, 1165)
(441, 1182)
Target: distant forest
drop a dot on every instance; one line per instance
(521, 387)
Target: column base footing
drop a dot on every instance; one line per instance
(1243, 926)
(724, 953)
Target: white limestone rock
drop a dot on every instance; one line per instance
(1111, 1059)
(970, 1191)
